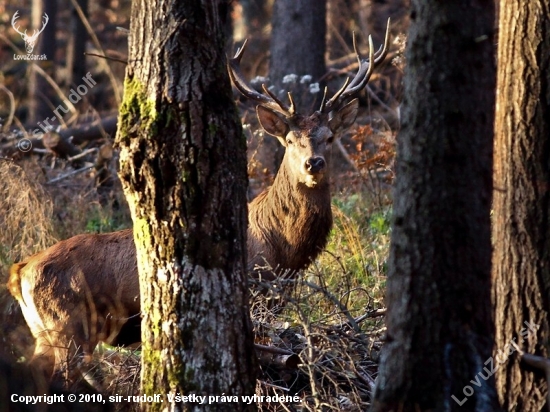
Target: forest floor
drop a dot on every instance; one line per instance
(324, 345)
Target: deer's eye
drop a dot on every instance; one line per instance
(288, 140)
(330, 139)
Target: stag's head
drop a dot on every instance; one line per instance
(30, 41)
(308, 138)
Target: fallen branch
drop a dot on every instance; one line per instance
(371, 314)
(284, 358)
(272, 349)
(74, 172)
(80, 134)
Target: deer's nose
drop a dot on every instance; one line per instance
(315, 164)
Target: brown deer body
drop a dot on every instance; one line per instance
(87, 288)
(289, 223)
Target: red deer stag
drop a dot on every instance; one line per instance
(86, 288)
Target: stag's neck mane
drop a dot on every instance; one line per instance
(288, 191)
(293, 218)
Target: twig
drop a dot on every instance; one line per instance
(273, 386)
(84, 153)
(372, 314)
(337, 302)
(74, 172)
(107, 57)
(379, 101)
(273, 349)
(346, 155)
(54, 85)
(97, 44)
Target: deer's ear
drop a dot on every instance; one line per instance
(273, 123)
(344, 117)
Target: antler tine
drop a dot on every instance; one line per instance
(363, 75)
(334, 99)
(290, 110)
(355, 49)
(383, 50)
(361, 78)
(270, 101)
(387, 38)
(323, 102)
(240, 51)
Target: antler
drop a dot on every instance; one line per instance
(270, 101)
(13, 20)
(366, 68)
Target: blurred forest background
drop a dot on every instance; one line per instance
(58, 166)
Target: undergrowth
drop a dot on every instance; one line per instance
(331, 325)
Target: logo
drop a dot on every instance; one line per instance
(30, 41)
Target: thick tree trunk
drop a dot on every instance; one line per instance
(521, 229)
(183, 169)
(298, 47)
(440, 328)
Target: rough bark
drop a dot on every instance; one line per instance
(439, 320)
(521, 230)
(183, 170)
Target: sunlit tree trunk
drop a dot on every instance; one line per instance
(521, 227)
(183, 169)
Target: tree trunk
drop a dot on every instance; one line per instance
(373, 15)
(76, 59)
(341, 24)
(256, 14)
(521, 259)
(183, 170)
(40, 92)
(439, 321)
(298, 47)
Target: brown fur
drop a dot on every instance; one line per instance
(288, 224)
(86, 288)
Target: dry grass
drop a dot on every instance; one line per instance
(34, 216)
(26, 227)
(27, 212)
(328, 334)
